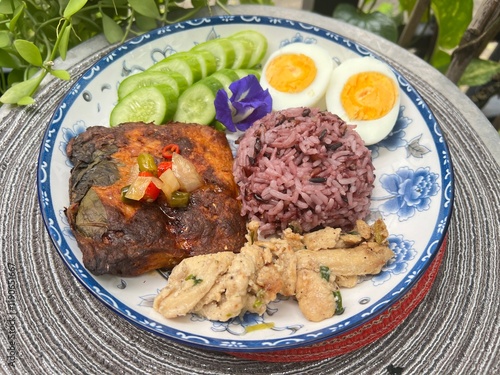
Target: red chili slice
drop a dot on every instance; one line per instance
(169, 150)
(164, 166)
(152, 191)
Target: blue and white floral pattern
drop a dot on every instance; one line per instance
(409, 191)
(414, 189)
(398, 265)
(396, 137)
(68, 133)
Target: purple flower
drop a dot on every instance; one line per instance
(248, 103)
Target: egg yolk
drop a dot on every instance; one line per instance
(290, 72)
(368, 96)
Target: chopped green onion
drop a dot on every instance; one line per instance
(339, 309)
(194, 278)
(324, 272)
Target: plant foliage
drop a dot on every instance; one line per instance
(33, 33)
(442, 28)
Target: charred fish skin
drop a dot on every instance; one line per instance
(131, 239)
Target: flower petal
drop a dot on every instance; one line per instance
(223, 110)
(248, 103)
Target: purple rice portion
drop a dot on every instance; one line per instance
(303, 167)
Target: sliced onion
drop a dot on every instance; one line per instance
(170, 183)
(157, 182)
(134, 172)
(186, 173)
(138, 187)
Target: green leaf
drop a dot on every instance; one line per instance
(440, 60)
(26, 100)
(17, 14)
(145, 23)
(112, 31)
(7, 60)
(5, 39)
(62, 3)
(63, 44)
(61, 74)
(29, 51)
(7, 7)
(375, 22)
(479, 72)
(147, 8)
(73, 7)
(386, 8)
(114, 2)
(407, 5)
(15, 75)
(21, 90)
(453, 18)
(260, 2)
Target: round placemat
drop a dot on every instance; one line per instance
(52, 325)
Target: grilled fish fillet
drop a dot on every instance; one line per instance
(131, 239)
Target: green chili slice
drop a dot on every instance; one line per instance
(147, 163)
(178, 199)
(123, 192)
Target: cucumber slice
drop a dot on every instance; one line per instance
(205, 59)
(155, 104)
(187, 65)
(221, 49)
(243, 52)
(148, 78)
(258, 42)
(196, 104)
(246, 72)
(207, 62)
(226, 77)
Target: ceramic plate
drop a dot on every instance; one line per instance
(413, 193)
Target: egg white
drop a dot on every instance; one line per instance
(371, 131)
(314, 94)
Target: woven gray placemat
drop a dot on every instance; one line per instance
(55, 326)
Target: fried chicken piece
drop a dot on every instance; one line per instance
(362, 232)
(315, 287)
(255, 277)
(322, 239)
(266, 283)
(228, 295)
(365, 259)
(347, 281)
(363, 229)
(263, 269)
(190, 281)
(295, 240)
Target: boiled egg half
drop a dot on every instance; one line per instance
(364, 91)
(297, 75)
